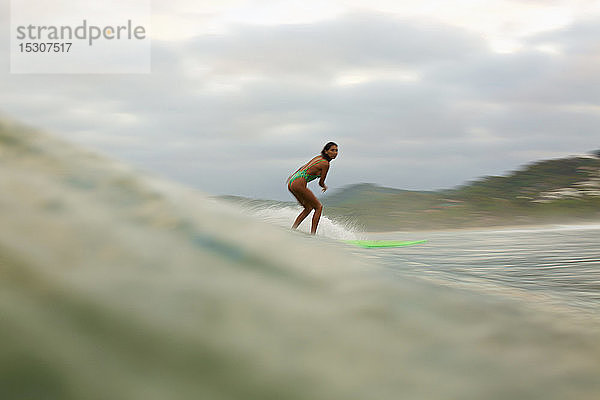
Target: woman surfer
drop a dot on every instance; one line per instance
(296, 183)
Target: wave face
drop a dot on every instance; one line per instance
(116, 285)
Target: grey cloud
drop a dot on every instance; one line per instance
(539, 123)
(323, 48)
(473, 112)
(581, 37)
(530, 76)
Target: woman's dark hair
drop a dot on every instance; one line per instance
(327, 147)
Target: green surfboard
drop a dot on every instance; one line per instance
(383, 243)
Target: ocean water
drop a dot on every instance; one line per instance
(557, 264)
(118, 285)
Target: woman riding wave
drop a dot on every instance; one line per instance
(296, 183)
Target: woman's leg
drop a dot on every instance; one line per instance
(310, 202)
(316, 218)
(301, 217)
(295, 190)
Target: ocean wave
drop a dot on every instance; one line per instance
(118, 285)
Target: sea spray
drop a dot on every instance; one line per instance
(284, 216)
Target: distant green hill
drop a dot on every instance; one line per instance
(565, 190)
(551, 191)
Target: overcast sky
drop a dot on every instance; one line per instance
(418, 95)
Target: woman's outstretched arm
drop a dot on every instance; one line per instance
(324, 171)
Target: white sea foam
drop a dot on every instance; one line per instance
(541, 228)
(284, 216)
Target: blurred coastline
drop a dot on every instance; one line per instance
(547, 192)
